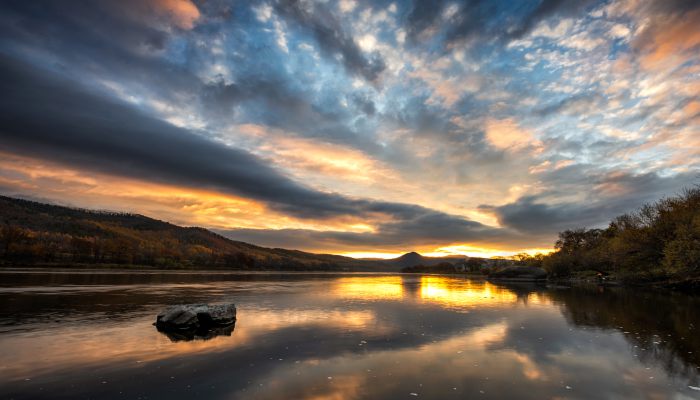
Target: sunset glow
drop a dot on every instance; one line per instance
(365, 129)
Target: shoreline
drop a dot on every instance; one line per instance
(688, 285)
(139, 267)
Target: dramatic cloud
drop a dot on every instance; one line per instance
(612, 195)
(546, 9)
(423, 231)
(482, 19)
(57, 119)
(354, 126)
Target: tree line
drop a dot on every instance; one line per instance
(661, 240)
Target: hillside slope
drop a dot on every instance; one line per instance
(37, 233)
(413, 259)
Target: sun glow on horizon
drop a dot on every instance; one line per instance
(456, 250)
(370, 254)
(367, 147)
(210, 209)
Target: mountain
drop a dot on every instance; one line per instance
(33, 233)
(408, 260)
(412, 259)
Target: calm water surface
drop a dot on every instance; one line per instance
(88, 334)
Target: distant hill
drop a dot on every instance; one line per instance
(413, 259)
(33, 233)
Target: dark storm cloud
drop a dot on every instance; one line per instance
(100, 40)
(332, 38)
(280, 105)
(56, 120)
(87, 39)
(536, 214)
(530, 215)
(473, 17)
(86, 22)
(422, 16)
(427, 228)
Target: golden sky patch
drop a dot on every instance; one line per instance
(507, 134)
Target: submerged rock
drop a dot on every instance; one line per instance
(196, 321)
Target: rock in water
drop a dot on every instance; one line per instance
(196, 321)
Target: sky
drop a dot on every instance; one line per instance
(364, 128)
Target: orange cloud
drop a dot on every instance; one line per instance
(670, 41)
(183, 13)
(321, 165)
(446, 90)
(199, 207)
(692, 109)
(179, 205)
(506, 134)
(304, 156)
(196, 207)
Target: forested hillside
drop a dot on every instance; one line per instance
(36, 233)
(659, 241)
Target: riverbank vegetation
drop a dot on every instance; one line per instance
(658, 242)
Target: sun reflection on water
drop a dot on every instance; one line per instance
(357, 336)
(370, 288)
(452, 292)
(441, 290)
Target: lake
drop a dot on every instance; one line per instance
(89, 334)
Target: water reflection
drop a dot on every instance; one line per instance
(462, 293)
(199, 334)
(370, 288)
(311, 336)
(660, 327)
